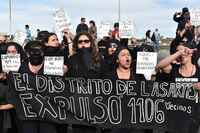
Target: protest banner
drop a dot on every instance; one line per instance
(105, 103)
(53, 65)
(10, 62)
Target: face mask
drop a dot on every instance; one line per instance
(50, 50)
(85, 50)
(86, 56)
(36, 60)
(36, 57)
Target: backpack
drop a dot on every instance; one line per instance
(153, 38)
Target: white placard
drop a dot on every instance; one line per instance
(19, 37)
(61, 20)
(53, 65)
(146, 63)
(126, 29)
(104, 29)
(10, 62)
(195, 17)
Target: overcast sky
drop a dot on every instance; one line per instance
(146, 14)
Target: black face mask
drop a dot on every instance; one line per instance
(36, 57)
(86, 55)
(51, 50)
(84, 51)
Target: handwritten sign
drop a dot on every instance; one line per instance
(53, 65)
(104, 28)
(126, 29)
(195, 17)
(10, 62)
(146, 62)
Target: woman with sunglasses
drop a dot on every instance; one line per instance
(86, 62)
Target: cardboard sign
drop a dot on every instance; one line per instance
(53, 65)
(20, 37)
(146, 63)
(10, 62)
(104, 29)
(61, 20)
(126, 29)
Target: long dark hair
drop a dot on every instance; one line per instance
(95, 51)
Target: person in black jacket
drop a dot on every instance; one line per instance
(34, 65)
(82, 27)
(86, 62)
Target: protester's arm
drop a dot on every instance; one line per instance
(6, 107)
(177, 17)
(165, 63)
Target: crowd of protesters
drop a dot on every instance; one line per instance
(84, 57)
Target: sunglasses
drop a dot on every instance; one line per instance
(85, 41)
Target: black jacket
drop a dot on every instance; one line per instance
(81, 28)
(78, 69)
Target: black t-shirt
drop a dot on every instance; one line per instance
(113, 76)
(175, 76)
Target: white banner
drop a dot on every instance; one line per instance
(146, 63)
(10, 62)
(53, 65)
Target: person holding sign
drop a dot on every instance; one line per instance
(183, 69)
(10, 62)
(54, 49)
(34, 65)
